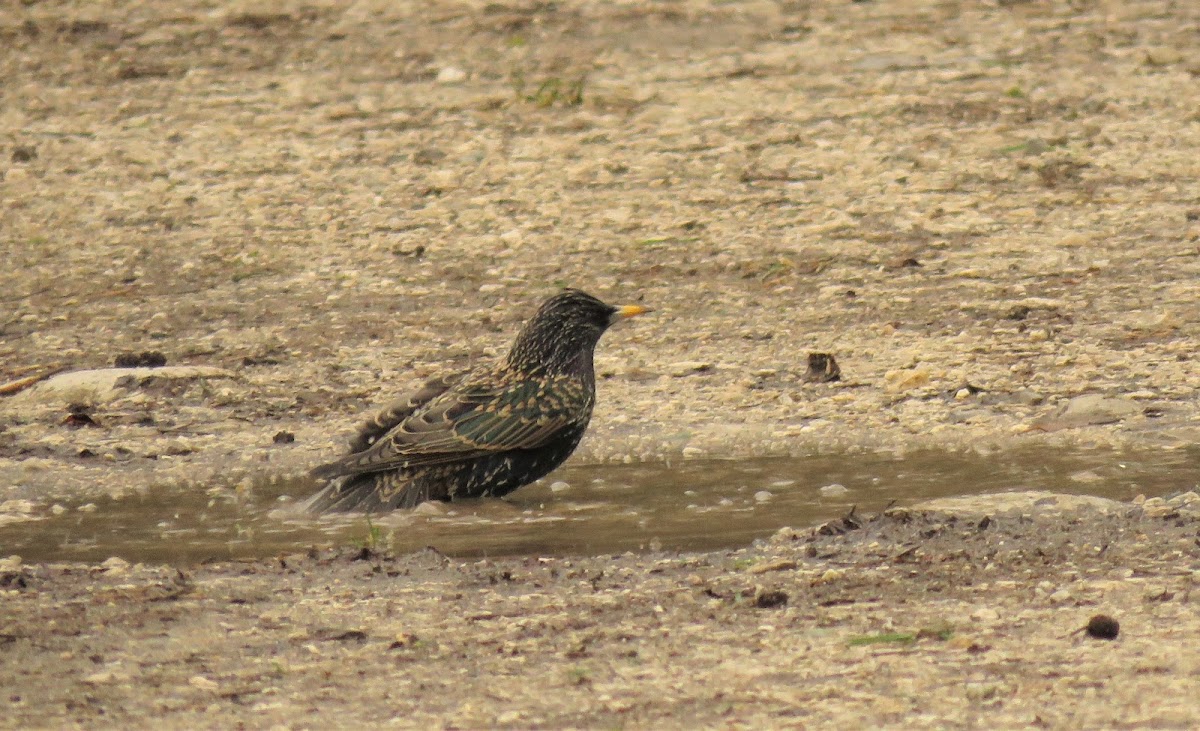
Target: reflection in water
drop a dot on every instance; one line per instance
(604, 509)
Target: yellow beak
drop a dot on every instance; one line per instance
(628, 311)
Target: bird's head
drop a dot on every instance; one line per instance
(564, 331)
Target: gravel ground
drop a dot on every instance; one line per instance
(956, 616)
(986, 212)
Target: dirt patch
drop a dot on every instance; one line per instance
(920, 618)
(981, 211)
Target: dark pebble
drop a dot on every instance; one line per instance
(770, 599)
(822, 368)
(145, 359)
(1103, 627)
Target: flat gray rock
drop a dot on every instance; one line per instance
(102, 385)
(1088, 410)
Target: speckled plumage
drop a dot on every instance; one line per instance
(483, 433)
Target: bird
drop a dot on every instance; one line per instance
(485, 432)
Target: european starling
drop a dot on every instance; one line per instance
(482, 433)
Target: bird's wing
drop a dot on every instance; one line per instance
(472, 420)
(397, 411)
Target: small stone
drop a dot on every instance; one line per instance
(688, 367)
(830, 575)
(202, 683)
(24, 153)
(1103, 627)
(1156, 507)
(403, 639)
(451, 75)
(115, 566)
(906, 379)
(834, 490)
(822, 368)
(17, 506)
(1028, 398)
(1088, 410)
(763, 496)
(559, 486)
(786, 534)
(145, 359)
(430, 507)
(1059, 597)
(87, 508)
(781, 564)
(769, 598)
(1189, 500)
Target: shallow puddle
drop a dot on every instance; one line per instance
(601, 509)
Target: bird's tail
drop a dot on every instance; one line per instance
(370, 493)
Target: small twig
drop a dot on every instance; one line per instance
(39, 290)
(21, 384)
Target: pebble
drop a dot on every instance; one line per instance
(1088, 410)
(115, 566)
(683, 368)
(834, 490)
(1059, 597)
(559, 486)
(781, 564)
(1156, 507)
(430, 507)
(907, 379)
(102, 385)
(786, 534)
(203, 683)
(1189, 501)
(763, 496)
(829, 575)
(1103, 627)
(451, 75)
(11, 508)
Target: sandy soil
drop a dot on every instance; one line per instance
(958, 617)
(983, 210)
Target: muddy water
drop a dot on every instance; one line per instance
(599, 509)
